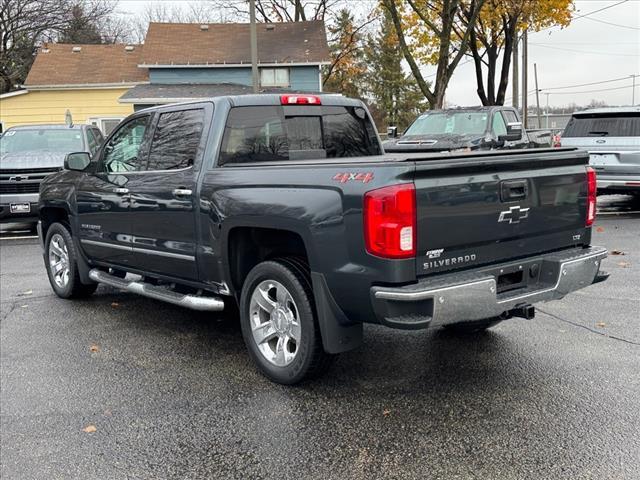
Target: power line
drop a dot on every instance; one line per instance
(583, 51)
(614, 24)
(587, 14)
(588, 91)
(588, 84)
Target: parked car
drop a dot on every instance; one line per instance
(287, 207)
(544, 137)
(612, 138)
(28, 154)
(469, 128)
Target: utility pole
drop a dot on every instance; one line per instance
(254, 45)
(515, 82)
(547, 126)
(525, 73)
(633, 90)
(535, 73)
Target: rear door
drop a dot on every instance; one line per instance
(164, 194)
(477, 210)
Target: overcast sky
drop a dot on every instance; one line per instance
(590, 50)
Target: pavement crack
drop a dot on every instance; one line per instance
(592, 330)
(11, 309)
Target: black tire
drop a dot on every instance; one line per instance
(470, 328)
(73, 288)
(310, 358)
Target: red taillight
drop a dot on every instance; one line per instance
(300, 100)
(591, 196)
(390, 221)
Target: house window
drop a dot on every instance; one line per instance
(106, 125)
(274, 77)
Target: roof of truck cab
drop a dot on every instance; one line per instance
(606, 110)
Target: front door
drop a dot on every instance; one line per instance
(164, 197)
(103, 197)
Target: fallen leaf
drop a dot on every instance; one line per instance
(107, 413)
(94, 348)
(89, 429)
(28, 292)
(624, 264)
(617, 252)
(115, 304)
(601, 324)
(24, 306)
(386, 412)
(599, 229)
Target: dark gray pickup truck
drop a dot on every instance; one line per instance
(287, 207)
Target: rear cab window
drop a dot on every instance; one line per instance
(276, 133)
(622, 124)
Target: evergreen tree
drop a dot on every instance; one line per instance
(347, 69)
(395, 96)
(81, 28)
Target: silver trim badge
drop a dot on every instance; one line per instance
(514, 214)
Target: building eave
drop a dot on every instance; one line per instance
(84, 86)
(234, 65)
(14, 93)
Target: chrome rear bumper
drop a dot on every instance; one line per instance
(472, 296)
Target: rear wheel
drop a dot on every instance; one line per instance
(469, 328)
(61, 262)
(279, 323)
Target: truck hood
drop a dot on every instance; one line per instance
(31, 160)
(433, 143)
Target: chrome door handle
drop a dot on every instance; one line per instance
(182, 192)
(121, 191)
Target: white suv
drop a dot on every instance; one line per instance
(612, 138)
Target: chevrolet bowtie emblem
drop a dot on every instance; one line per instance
(18, 178)
(514, 214)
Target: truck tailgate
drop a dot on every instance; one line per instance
(480, 210)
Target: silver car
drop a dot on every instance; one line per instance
(612, 138)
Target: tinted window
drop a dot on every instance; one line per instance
(510, 116)
(499, 127)
(176, 139)
(122, 150)
(63, 140)
(611, 125)
(272, 133)
(93, 142)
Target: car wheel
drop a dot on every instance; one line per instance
(279, 323)
(470, 328)
(60, 259)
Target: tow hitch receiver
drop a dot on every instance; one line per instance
(526, 311)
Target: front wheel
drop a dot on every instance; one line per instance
(61, 262)
(279, 324)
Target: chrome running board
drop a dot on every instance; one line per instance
(194, 302)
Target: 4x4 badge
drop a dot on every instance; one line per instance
(514, 214)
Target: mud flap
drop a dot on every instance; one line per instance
(338, 333)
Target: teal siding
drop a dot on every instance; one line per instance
(301, 78)
(240, 75)
(304, 78)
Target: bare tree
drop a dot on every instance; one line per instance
(26, 23)
(438, 19)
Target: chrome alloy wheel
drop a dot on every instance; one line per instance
(59, 260)
(275, 322)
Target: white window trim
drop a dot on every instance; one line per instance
(287, 85)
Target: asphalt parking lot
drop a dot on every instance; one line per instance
(120, 386)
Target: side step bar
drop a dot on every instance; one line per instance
(194, 302)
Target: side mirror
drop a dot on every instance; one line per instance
(514, 132)
(78, 161)
(392, 132)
